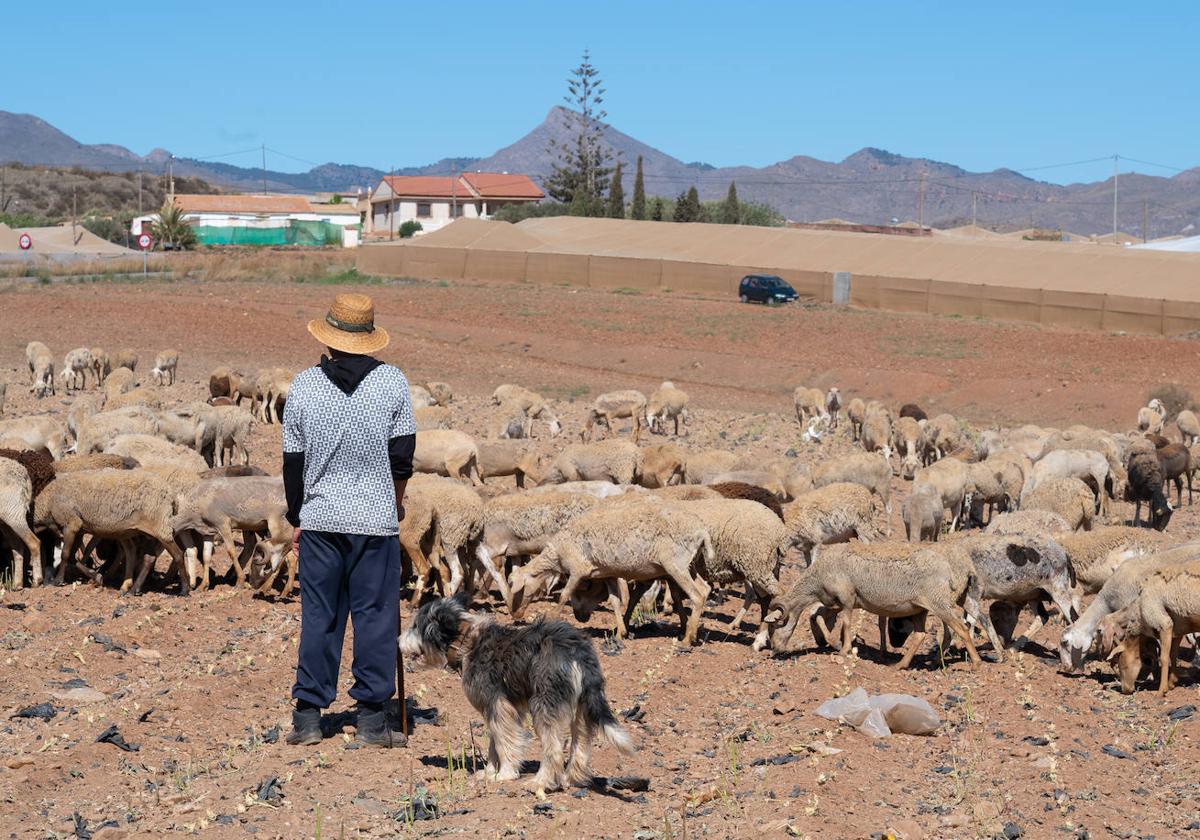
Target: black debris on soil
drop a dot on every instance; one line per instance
(112, 735)
(41, 711)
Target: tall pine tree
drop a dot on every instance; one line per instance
(731, 210)
(616, 195)
(687, 206)
(581, 173)
(657, 210)
(637, 210)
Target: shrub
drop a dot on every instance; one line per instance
(408, 228)
(1174, 396)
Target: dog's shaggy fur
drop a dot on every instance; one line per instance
(548, 670)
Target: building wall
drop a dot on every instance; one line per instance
(406, 210)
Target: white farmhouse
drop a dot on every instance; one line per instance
(435, 201)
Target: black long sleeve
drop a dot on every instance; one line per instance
(400, 454)
(293, 485)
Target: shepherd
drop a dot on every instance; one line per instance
(348, 442)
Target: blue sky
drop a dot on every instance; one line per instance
(383, 84)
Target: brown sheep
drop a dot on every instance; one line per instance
(741, 490)
(37, 463)
(1176, 463)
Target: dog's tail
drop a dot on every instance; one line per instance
(596, 706)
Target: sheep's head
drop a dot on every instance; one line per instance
(586, 597)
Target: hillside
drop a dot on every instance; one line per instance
(871, 185)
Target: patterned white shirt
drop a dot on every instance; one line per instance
(348, 486)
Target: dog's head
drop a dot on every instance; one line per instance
(435, 630)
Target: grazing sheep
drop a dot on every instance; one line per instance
(508, 457)
(274, 386)
(164, 367)
(506, 393)
(16, 497)
(126, 359)
(226, 382)
(76, 365)
(97, 431)
(618, 461)
(739, 490)
(922, 513)
(1020, 569)
(1029, 440)
(449, 453)
(906, 443)
(864, 468)
(877, 433)
(94, 461)
(833, 407)
(1118, 592)
(833, 513)
(951, 479)
(34, 350)
(703, 466)
(431, 417)
(1089, 466)
(994, 483)
(1152, 417)
(510, 422)
(101, 365)
(914, 411)
(941, 436)
(1070, 498)
(856, 412)
(1189, 427)
(891, 580)
(440, 392)
(597, 489)
(155, 453)
(43, 376)
(219, 506)
(1030, 522)
(1145, 484)
(532, 406)
(138, 396)
(748, 543)
(418, 396)
(1095, 555)
(231, 434)
(34, 432)
(691, 492)
(1176, 463)
(458, 524)
(667, 403)
(640, 539)
(615, 405)
(809, 404)
(83, 407)
(1167, 609)
(120, 381)
(661, 466)
(519, 525)
(110, 504)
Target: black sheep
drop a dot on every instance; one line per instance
(1145, 484)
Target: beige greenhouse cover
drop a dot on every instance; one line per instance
(1063, 283)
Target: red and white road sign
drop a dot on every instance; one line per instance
(144, 242)
(26, 242)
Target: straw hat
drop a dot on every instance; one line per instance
(350, 326)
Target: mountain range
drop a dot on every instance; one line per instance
(870, 186)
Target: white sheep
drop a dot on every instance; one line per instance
(1189, 427)
(832, 513)
(33, 350)
(1070, 498)
(667, 403)
(704, 465)
(868, 469)
(76, 365)
(101, 365)
(856, 412)
(615, 405)
(16, 496)
(164, 367)
(1096, 555)
(1152, 417)
(951, 479)
(922, 513)
(618, 461)
(809, 403)
(458, 524)
(1085, 464)
(447, 452)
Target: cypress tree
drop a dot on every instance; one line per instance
(687, 208)
(731, 210)
(638, 209)
(616, 195)
(656, 210)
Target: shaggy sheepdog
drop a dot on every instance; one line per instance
(548, 670)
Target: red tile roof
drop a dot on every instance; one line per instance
(426, 186)
(242, 203)
(502, 185)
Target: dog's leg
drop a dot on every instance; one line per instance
(579, 764)
(551, 726)
(506, 736)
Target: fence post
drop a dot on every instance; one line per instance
(841, 288)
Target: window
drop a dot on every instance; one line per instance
(424, 210)
(456, 210)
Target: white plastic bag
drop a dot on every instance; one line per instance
(880, 716)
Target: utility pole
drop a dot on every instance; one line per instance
(453, 197)
(392, 206)
(74, 212)
(264, 167)
(1116, 174)
(1145, 217)
(139, 191)
(921, 204)
(974, 203)
(3, 185)
(171, 178)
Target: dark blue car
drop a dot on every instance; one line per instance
(765, 288)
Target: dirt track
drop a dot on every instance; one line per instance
(201, 683)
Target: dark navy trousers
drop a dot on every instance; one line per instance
(355, 576)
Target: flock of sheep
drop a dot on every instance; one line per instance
(1001, 519)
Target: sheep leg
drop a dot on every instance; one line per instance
(70, 538)
(227, 537)
(496, 570)
(1165, 643)
(456, 571)
(618, 602)
(747, 600)
(20, 528)
(959, 628)
(914, 642)
(696, 590)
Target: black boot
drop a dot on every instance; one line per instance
(306, 727)
(374, 730)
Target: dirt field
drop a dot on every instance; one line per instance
(727, 737)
